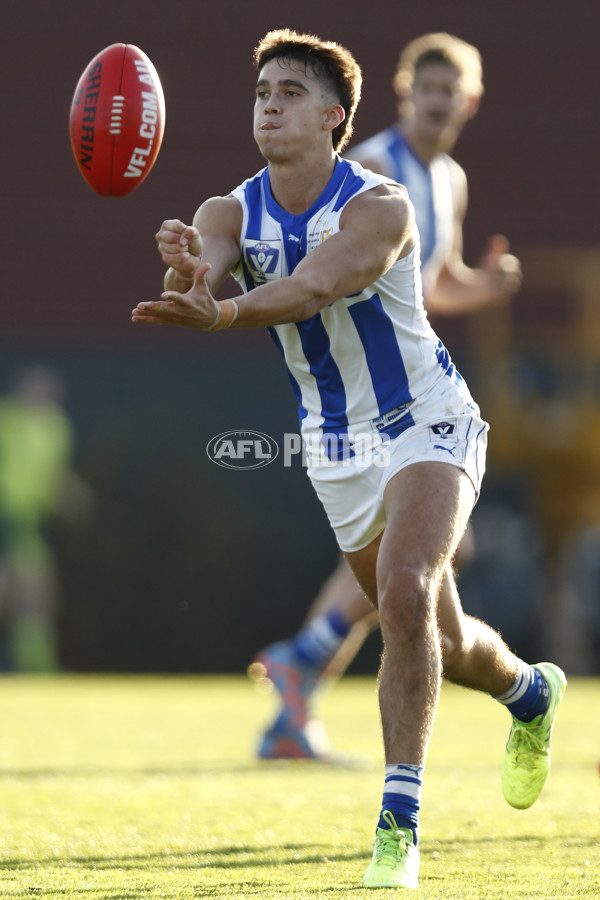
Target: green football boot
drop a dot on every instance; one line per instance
(395, 860)
(527, 756)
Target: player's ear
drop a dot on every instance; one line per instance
(405, 105)
(472, 106)
(334, 116)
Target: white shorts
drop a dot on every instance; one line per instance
(447, 428)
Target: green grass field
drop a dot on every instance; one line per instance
(134, 787)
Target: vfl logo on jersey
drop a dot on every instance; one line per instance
(263, 258)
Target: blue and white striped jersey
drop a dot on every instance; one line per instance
(432, 190)
(363, 359)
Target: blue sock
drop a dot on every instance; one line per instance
(319, 641)
(402, 796)
(529, 696)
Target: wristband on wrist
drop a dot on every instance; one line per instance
(227, 313)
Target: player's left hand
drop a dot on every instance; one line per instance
(502, 268)
(197, 308)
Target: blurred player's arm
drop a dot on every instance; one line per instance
(461, 290)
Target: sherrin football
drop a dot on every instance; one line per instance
(117, 120)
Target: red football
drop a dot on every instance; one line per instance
(117, 120)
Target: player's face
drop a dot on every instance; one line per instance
(289, 110)
(438, 100)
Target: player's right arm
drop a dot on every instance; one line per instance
(461, 290)
(213, 238)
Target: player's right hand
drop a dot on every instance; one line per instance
(196, 308)
(502, 269)
(180, 247)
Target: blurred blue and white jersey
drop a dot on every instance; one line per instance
(432, 189)
(364, 359)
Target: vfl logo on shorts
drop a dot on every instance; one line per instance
(444, 431)
(263, 259)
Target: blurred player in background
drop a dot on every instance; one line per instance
(37, 482)
(439, 87)
(327, 255)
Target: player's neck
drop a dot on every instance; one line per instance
(295, 186)
(425, 146)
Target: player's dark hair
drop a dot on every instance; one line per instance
(331, 63)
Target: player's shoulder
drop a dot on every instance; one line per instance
(457, 175)
(370, 145)
(219, 212)
(377, 184)
(384, 201)
(225, 201)
(390, 189)
(364, 177)
(372, 152)
(374, 164)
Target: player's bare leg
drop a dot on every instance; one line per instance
(342, 591)
(427, 508)
(341, 595)
(474, 655)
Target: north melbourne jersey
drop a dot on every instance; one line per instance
(365, 358)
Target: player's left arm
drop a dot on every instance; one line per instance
(460, 289)
(376, 228)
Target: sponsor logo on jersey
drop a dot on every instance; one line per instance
(263, 259)
(390, 418)
(318, 235)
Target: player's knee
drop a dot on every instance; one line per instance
(455, 648)
(451, 652)
(405, 600)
